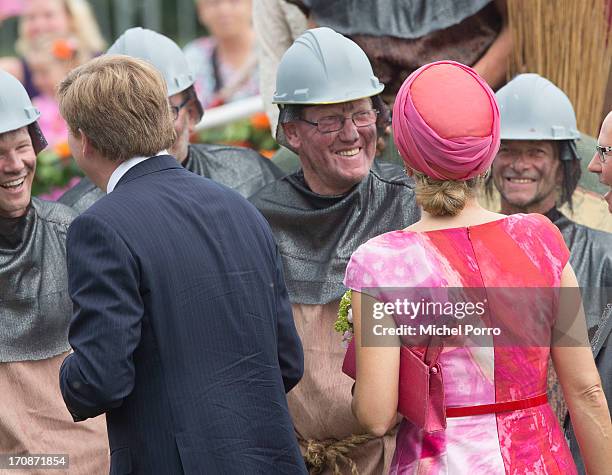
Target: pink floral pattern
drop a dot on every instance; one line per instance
(517, 251)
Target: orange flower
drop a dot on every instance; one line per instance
(63, 49)
(260, 121)
(62, 149)
(267, 153)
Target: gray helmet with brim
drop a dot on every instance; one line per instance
(17, 111)
(324, 67)
(163, 53)
(533, 108)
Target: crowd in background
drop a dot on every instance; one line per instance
(57, 35)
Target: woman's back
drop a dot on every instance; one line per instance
(512, 259)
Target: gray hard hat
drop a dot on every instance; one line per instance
(161, 52)
(17, 111)
(533, 108)
(324, 67)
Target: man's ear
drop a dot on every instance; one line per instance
(88, 148)
(292, 135)
(193, 115)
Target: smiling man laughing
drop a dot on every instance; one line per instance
(16, 174)
(330, 114)
(536, 171)
(537, 167)
(35, 307)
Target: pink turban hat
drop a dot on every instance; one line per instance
(446, 122)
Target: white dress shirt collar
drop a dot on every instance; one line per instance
(123, 168)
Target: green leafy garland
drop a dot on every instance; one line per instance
(344, 321)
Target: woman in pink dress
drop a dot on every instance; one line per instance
(446, 127)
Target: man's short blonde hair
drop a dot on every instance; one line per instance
(120, 103)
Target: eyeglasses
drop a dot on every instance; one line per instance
(177, 109)
(602, 151)
(333, 123)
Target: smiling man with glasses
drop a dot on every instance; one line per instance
(335, 153)
(602, 160)
(330, 115)
(241, 169)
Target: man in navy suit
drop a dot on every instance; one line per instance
(182, 329)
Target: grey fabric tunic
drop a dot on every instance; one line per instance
(34, 300)
(241, 169)
(35, 311)
(317, 234)
(591, 259)
(82, 195)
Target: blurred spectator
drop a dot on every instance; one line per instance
(277, 23)
(62, 18)
(50, 60)
(225, 63)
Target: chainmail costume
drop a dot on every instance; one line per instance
(36, 306)
(317, 234)
(82, 195)
(241, 169)
(591, 259)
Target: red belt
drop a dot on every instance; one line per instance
(496, 407)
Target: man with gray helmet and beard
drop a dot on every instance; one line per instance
(35, 307)
(537, 170)
(330, 110)
(241, 169)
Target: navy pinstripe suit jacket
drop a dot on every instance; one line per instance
(182, 329)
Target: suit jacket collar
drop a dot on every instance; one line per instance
(150, 165)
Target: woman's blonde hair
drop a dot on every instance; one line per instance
(120, 103)
(444, 197)
(83, 26)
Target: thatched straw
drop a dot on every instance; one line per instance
(568, 42)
